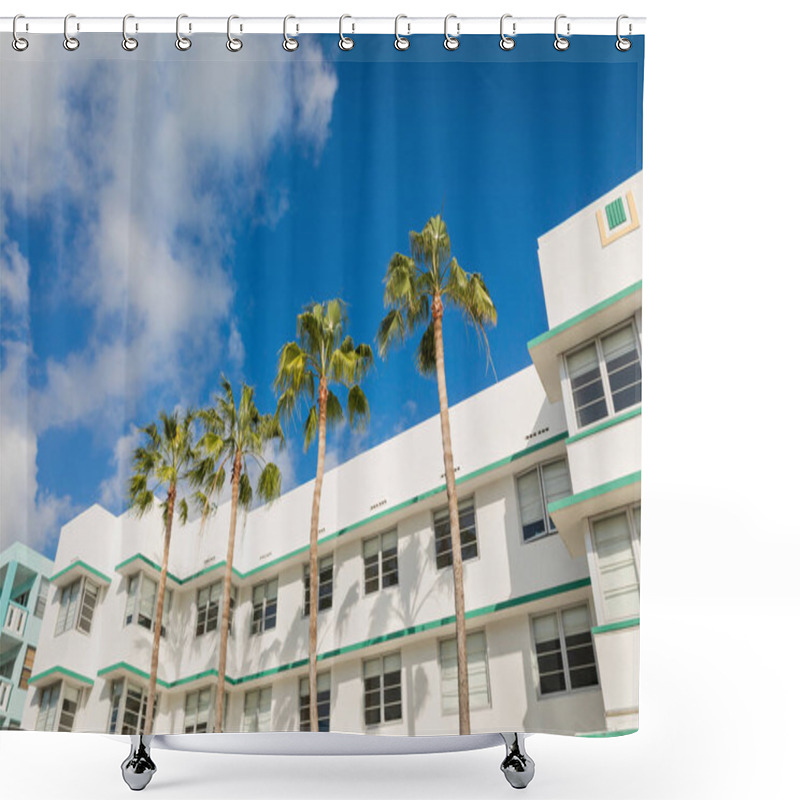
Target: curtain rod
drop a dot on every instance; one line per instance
(513, 26)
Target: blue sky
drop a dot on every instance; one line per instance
(163, 221)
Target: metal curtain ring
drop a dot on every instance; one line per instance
(289, 44)
(451, 42)
(345, 42)
(181, 42)
(507, 42)
(623, 44)
(400, 42)
(17, 42)
(70, 42)
(128, 42)
(233, 44)
(560, 43)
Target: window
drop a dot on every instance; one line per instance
(380, 562)
(535, 490)
(77, 604)
(128, 707)
(564, 650)
(257, 711)
(466, 525)
(22, 598)
(607, 371)
(140, 607)
(616, 543)
(27, 667)
(383, 696)
(50, 710)
(7, 667)
(477, 672)
(265, 606)
(323, 702)
(197, 711)
(209, 608)
(41, 599)
(615, 213)
(325, 585)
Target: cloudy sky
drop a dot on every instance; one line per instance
(164, 216)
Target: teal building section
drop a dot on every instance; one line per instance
(24, 577)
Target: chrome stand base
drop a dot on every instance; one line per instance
(138, 768)
(517, 766)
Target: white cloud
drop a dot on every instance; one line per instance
(114, 489)
(139, 169)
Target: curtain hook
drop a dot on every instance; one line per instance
(70, 42)
(233, 44)
(507, 42)
(623, 44)
(560, 43)
(128, 42)
(181, 42)
(345, 42)
(18, 43)
(289, 44)
(451, 42)
(401, 42)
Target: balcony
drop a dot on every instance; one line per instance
(16, 619)
(5, 693)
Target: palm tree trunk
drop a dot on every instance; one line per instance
(313, 566)
(162, 588)
(455, 531)
(226, 596)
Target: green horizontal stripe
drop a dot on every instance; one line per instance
(367, 520)
(83, 564)
(607, 734)
(150, 563)
(63, 671)
(595, 491)
(591, 311)
(425, 626)
(609, 423)
(617, 626)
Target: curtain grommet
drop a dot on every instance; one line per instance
(18, 42)
(507, 42)
(129, 43)
(345, 42)
(290, 44)
(401, 42)
(233, 44)
(622, 44)
(70, 43)
(451, 43)
(561, 44)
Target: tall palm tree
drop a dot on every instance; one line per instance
(417, 290)
(322, 356)
(234, 436)
(165, 460)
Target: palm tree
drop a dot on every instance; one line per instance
(166, 459)
(234, 435)
(321, 356)
(417, 289)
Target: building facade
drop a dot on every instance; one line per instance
(24, 575)
(548, 472)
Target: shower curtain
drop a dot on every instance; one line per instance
(321, 385)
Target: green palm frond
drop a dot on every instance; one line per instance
(357, 407)
(425, 357)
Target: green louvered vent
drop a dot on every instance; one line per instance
(615, 213)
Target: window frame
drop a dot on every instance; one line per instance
(382, 572)
(539, 467)
(61, 620)
(23, 678)
(57, 721)
(563, 651)
(220, 604)
(630, 322)
(260, 692)
(263, 606)
(212, 705)
(307, 704)
(116, 722)
(135, 611)
(307, 584)
(468, 499)
(381, 690)
(634, 534)
(40, 606)
(440, 662)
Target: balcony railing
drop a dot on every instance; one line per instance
(5, 693)
(16, 619)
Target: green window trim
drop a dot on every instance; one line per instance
(76, 565)
(616, 626)
(615, 213)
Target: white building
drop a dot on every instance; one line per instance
(552, 598)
